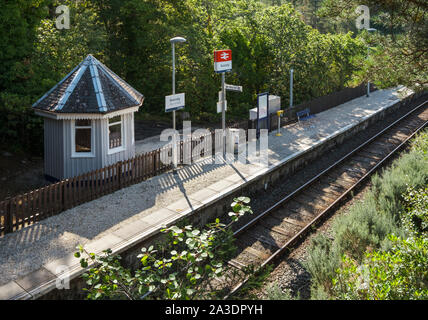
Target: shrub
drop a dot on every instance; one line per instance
(399, 273)
(415, 219)
(363, 228)
(274, 292)
(366, 226)
(323, 260)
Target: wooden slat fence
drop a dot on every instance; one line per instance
(26, 209)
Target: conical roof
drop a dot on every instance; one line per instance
(91, 87)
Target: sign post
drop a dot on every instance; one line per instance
(223, 64)
(279, 114)
(173, 103)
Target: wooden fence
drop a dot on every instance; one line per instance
(26, 209)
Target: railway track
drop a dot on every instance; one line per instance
(276, 230)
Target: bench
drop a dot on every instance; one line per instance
(304, 114)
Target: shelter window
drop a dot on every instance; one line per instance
(83, 136)
(115, 129)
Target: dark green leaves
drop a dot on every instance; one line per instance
(178, 269)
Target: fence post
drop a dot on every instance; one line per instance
(62, 196)
(154, 162)
(119, 174)
(8, 221)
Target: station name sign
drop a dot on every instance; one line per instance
(231, 87)
(174, 102)
(223, 60)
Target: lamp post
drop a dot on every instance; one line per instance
(368, 53)
(174, 140)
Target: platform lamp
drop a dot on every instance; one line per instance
(174, 147)
(368, 53)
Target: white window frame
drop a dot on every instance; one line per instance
(75, 154)
(122, 136)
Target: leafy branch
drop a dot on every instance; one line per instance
(177, 269)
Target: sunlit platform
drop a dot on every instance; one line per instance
(32, 259)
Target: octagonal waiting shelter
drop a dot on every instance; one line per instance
(88, 120)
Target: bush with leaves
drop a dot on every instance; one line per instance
(390, 207)
(415, 220)
(179, 269)
(395, 274)
(398, 273)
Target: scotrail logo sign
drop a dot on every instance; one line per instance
(224, 56)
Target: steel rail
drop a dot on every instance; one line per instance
(327, 210)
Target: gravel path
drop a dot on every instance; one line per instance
(28, 249)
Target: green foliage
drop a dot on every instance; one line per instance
(323, 260)
(364, 227)
(132, 38)
(34, 57)
(179, 269)
(390, 207)
(18, 20)
(415, 220)
(396, 274)
(274, 292)
(401, 54)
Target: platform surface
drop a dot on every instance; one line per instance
(31, 259)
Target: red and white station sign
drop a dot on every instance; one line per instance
(223, 60)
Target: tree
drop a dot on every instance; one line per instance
(18, 21)
(132, 38)
(401, 42)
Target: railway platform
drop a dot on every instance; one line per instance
(33, 259)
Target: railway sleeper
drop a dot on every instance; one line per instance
(274, 225)
(264, 240)
(371, 153)
(328, 188)
(327, 196)
(295, 207)
(359, 165)
(298, 215)
(366, 159)
(313, 199)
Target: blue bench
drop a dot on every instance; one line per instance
(304, 114)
